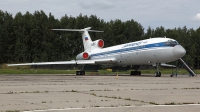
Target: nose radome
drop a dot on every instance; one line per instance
(178, 51)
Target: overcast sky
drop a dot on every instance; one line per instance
(153, 13)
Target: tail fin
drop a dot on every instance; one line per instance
(87, 41)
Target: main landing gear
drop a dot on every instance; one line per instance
(157, 73)
(135, 73)
(80, 72)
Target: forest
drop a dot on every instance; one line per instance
(29, 38)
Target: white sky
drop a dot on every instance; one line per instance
(153, 13)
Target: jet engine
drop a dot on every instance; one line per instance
(98, 43)
(83, 56)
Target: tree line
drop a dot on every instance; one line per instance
(28, 38)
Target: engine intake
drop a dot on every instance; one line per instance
(98, 43)
(83, 56)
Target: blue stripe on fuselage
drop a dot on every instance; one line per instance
(135, 48)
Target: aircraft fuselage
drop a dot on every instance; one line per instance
(144, 52)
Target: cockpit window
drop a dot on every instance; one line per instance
(171, 43)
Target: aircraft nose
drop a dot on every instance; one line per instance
(178, 51)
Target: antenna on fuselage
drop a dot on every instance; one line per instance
(87, 41)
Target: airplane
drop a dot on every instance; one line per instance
(150, 52)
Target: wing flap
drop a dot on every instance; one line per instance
(97, 61)
(84, 62)
(106, 61)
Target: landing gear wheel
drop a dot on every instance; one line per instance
(157, 74)
(131, 73)
(139, 73)
(80, 72)
(135, 73)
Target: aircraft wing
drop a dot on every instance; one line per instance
(44, 63)
(72, 62)
(96, 61)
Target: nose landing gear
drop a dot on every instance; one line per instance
(157, 73)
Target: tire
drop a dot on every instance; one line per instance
(159, 74)
(156, 74)
(134, 72)
(78, 72)
(131, 73)
(139, 72)
(83, 73)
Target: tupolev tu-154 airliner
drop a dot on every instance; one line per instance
(152, 52)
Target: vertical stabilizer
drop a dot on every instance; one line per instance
(87, 42)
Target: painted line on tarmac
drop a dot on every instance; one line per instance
(48, 110)
(170, 105)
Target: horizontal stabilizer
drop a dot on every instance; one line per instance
(94, 31)
(68, 29)
(81, 30)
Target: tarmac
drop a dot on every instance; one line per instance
(97, 93)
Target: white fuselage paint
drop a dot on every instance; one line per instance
(144, 52)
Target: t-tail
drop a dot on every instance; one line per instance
(87, 41)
